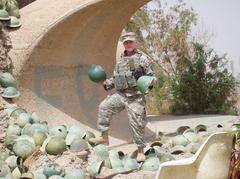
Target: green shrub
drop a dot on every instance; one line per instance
(205, 87)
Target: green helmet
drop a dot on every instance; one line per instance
(23, 148)
(53, 169)
(107, 163)
(10, 110)
(178, 149)
(4, 155)
(101, 151)
(7, 80)
(39, 137)
(96, 73)
(78, 130)
(17, 172)
(75, 174)
(14, 22)
(10, 92)
(95, 168)
(10, 141)
(4, 15)
(36, 127)
(156, 143)
(25, 137)
(11, 161)
(70, 138)
(25, 129)
(200, 128)
(13, 129)
(34, 118)
(131, 164)
(4, 169)
(59, 131)
(192, 137)
(115, 162)
(113, 154)
(23, 119)
(181, 129)
(166, 157)
(38, 175)
(16, 112)
(55, 146)
(195, 147)
(188, 130)
(144, 82)
(89, 135)
(180, 140)
(78, 145)
(151, 164)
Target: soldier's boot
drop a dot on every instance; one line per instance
(140, 155)
(103, 139)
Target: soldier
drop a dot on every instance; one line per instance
(131, 66)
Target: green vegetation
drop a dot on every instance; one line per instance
(192, 78)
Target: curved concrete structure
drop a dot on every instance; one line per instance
(53, 49)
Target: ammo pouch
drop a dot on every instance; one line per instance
(124, 80)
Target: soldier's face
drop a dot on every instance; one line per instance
(129, 45)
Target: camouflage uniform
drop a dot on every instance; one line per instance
(130, 99)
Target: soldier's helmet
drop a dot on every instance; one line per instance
(129, 36)
(76, 173)
(96, 73)
(6, 80)
(10, 92)
(14, 22)
(144, 82)
(4, 15)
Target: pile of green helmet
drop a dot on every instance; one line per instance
(9, 13)
(184, 139)
(55, 171)
(121, 162)
(8, 82)
(28, 130)
(50, 171)
(23, 136)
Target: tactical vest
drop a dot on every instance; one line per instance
(127, 71)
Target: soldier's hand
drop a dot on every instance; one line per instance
(154, 83)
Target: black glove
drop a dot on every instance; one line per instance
(137, 73)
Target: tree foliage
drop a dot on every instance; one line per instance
(193, 79)
(206, 86)
(167, 31)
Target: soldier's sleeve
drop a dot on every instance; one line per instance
(109, 83)
(149, 70)
(148, 66)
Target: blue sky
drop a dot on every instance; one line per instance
(220, 19)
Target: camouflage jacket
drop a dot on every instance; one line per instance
(144, 62)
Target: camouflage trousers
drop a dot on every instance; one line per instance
(136, 113)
